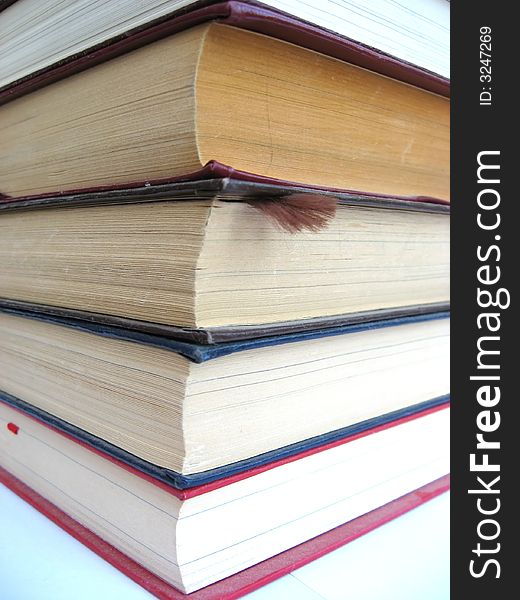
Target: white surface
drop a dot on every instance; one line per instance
(406, 559)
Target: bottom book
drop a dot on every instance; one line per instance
(250, 579)
(216, 532)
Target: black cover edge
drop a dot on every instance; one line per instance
(199, 352)
(183, 482)
(216, 188)
(5, 4)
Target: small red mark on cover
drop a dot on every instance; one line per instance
(13, 428)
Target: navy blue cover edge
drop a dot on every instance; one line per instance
(203, 352)
(183, 482)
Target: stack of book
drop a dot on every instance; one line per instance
(224, 244)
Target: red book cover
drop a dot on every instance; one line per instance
(233, 582)
(250, 579)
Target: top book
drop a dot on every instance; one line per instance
(38, 34)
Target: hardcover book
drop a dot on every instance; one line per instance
(224, 277)
(249, 579)
(192, 408)
(207, 258)
(192, 538)
(219, 93)
(44, 39)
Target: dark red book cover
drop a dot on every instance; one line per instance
(246, 15)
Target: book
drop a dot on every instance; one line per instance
(216, 93)
(245, 581)
(207, 261)
(210, 478)
(198, 537)
(42, 36)
(224, 277)
(146, 395)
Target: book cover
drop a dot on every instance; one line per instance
(246, 15)
(203, 344)
(245, 581)
(186, 486)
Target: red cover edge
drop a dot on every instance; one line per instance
(283, 26)
(214, 485)
(216, 170)
(248, 16)
(248, 580)
(126, 42)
